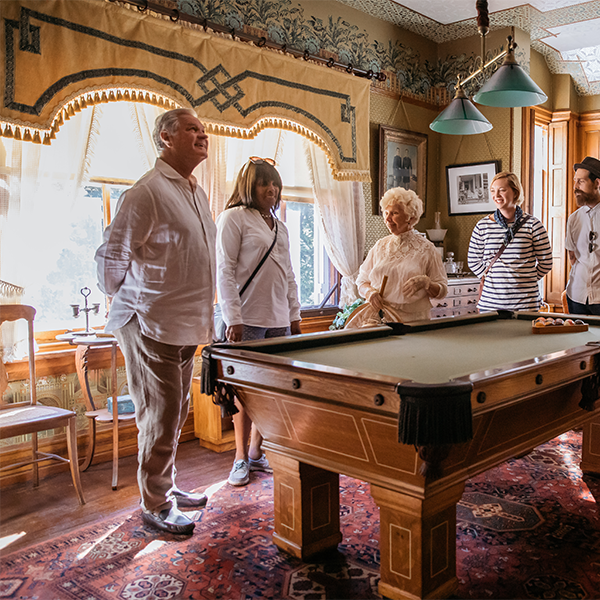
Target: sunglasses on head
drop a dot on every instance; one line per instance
(257, 160)
(592, 245)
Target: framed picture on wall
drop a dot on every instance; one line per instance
(402, 162)
(469, 187)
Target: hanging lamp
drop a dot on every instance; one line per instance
(510, 85)
(460, 117)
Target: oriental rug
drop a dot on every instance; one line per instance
(529, 528)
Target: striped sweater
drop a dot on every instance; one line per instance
(512, 283)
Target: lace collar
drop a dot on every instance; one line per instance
(404, 237)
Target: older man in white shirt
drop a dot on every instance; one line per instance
(583, 240)
(158, 265)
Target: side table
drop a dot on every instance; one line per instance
(84, 344)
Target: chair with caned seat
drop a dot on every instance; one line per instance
(28, 417)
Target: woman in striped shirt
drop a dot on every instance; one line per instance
(512, 281)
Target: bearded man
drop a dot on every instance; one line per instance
(583, 242)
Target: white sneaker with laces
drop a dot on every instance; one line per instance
(260, 464)
(240, 473)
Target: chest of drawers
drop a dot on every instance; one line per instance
(461, 298)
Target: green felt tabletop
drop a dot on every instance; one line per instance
(439, 355)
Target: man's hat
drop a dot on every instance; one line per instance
(591, 164)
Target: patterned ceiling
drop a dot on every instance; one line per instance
(565, 32)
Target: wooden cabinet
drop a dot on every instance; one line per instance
(461, 298)
(213, 431)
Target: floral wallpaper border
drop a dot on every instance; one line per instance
(285, 22)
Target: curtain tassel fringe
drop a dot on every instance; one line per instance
(435, 415)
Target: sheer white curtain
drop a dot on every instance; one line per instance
(142, 118)
(341, 208)
(226, 156)
(212, 174)
(43, 184)
(49, 225)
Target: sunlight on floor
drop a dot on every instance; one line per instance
(89, 547)
(213, 489)
(151, 547)
(9, 539)
(585, 494)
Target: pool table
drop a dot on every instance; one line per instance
(329, 403)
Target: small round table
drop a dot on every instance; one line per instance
(84, 342)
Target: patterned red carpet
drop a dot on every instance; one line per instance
(529, 528)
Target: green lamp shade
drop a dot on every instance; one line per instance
(460, 117)
(510, 86)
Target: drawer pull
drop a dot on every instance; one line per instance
(481, 397)
(378, 399)
(296, 384)
(539, 379)
(230, 370)
(583, 365)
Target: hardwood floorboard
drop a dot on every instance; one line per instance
(52, 509)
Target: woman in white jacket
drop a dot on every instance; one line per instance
(269, 306)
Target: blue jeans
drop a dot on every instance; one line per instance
(261, 333)
(577, 308)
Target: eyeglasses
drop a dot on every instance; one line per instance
(592, 245)
(257, 160)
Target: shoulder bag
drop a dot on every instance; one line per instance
(499, 254)
(220, 327)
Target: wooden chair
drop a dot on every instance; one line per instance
(29, 417)
(99, 415)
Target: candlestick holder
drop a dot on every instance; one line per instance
(77, 310)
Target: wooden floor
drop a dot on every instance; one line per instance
(52, 509)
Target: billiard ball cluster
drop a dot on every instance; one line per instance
(550, 322)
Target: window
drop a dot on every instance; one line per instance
(315, 275)
(67, 192)
(540, 170)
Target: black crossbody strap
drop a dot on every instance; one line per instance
(504, 244)
(262, 261)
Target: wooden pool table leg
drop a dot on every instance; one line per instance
(417, 543)
(590, 450)
(307, 507)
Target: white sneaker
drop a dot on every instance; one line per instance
(240, 473)
(260, 464)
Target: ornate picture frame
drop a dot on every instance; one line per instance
(468, 187)
(402, 162)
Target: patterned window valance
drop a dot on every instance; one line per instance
(59, 55)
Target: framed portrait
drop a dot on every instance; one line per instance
(469, 187)
(402, 162)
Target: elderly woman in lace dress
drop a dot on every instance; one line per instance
(413, 267)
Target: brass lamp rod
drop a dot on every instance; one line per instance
(483, 25)
(484, 67)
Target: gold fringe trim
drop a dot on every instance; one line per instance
(280, 123)
(115, 94)
(78, 103)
